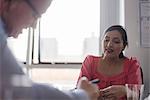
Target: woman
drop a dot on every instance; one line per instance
(113, 69)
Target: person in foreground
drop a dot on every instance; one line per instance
(113, 69)
(14, 84)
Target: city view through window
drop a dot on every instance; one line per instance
(70, 30)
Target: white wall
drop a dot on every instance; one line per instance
(135, 49)
(110, 15)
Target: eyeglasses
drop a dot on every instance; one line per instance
(36, 14)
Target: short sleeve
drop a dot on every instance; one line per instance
(134, 74)
(86, 68)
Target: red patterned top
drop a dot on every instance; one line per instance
(131, 73)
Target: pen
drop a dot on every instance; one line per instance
(95, 81)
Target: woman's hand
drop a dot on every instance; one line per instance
(91, 89)
(113, 92)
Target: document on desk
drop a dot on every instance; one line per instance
(145, 22)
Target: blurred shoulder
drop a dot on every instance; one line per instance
(133, 61)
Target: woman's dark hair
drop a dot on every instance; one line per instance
(123, 33)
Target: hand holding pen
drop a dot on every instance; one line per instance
(95, 81)
(91, 89)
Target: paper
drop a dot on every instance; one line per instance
(145, 23)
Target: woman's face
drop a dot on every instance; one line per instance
(112, 44)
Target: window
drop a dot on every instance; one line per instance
(70, 30)
(19, 46)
